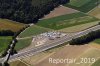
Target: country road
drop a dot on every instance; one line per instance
(33, 51)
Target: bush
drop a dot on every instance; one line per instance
(86, 38)
(6, 33)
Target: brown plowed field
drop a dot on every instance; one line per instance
(61, 10)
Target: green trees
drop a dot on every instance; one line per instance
(11, 33)
(6, 64)
(6, 33)
(86, 38)
(27, 11)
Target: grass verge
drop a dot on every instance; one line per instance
(23, 43)
(33, 30)
(4, 42)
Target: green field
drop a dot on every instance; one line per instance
(23, 43)
(82, 5)
(6, 24)
(97, 63)
(97, 41)
(65, 21)
(82, 27)
(4, 41)
(78, 3)
(33, 30)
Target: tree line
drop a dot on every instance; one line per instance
(6, 33)
(27, 11)
(11, 46)
(86, 38)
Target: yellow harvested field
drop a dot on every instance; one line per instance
(79, 27)
(95, 12)
(6, 24)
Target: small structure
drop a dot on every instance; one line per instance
(47, 36)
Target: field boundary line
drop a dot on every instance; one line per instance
(92, 10)
(24, 62)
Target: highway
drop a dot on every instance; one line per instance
(33, 51)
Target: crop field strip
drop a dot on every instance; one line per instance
(50, 23)
(65, 21)
(6, 24)
(74, 29)
(78, 3)
(61, 10)
(82, 5)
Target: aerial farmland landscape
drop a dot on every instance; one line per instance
(49, 32)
